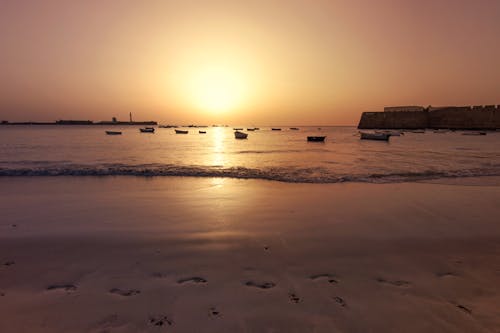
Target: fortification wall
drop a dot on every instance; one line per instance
(394, 120)
(474, 118)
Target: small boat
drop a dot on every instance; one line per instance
(392, 133)
(251, 129)
(202, 132)
(181, 131)
(240, 135)
(275, 129)
(294, 128)
(256, 128)
(375, 136)
(147, 130)
(474, 133)
(113, 133)
(238, 129)
(166, 126)
(316, 138)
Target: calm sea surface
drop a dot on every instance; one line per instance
(275, 155)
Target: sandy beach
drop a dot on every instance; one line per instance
(132, 254)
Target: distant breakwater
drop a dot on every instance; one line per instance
(460, 118)
(83, 122)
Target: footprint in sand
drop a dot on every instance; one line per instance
(213, 312)
(160, 320)
(65, 287)
(261, 285)
(446, 274)
(325, 276)
(464, 308)
(397, 283)
(130, 292)
(9, 263)
(195, 279)
(340, 301)
(293, 298)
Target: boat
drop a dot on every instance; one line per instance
(113, 133)
(181, 131)
(474, 133)
(238, 129)
(167, 126)
(147, 130)
(275, 129)
(251, 129)
(375, 136)
(294, 128)
(240, 135)
(316, 138)
(202, 132)
(392, 133)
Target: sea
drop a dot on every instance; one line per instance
(285, 156)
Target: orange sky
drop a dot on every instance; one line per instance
(244, 62)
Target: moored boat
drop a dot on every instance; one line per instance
(375, 136)
(294, 128)
(181, 131)
(202, 132)
(316, 138)
(240, 135)
(275, 129)
(147, 130)
(113, 133)
(391, 132)
(238, 128)
(251, 129)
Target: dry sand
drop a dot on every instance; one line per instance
(124, 254)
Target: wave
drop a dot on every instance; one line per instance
(282, 174)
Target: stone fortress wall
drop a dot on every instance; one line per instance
(477, 117)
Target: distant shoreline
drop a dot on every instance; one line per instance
(82, 122)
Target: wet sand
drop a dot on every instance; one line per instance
(130, 254)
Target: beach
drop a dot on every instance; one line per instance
(185, 254)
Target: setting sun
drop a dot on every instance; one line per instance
(217, 89)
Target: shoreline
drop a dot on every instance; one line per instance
(124, 254)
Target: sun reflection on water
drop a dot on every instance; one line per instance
(218, 144)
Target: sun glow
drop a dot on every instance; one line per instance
(217, 89)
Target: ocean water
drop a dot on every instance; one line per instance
(273, 155)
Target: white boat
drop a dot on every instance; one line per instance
(375, 136)
(391, 132)
(240, 135)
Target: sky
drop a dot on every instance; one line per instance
(296, 62)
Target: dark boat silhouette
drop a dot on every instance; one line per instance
(316, 138)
